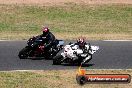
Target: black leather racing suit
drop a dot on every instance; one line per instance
(49, 39)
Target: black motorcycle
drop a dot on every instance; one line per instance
(36, 49)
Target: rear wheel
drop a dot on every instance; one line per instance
(23, 54)
(57, 60)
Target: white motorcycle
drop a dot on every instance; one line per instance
(72, 54)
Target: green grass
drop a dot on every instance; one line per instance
(55, 79)
(69, 20)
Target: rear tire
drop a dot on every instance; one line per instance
(23, 54)
(57, 60)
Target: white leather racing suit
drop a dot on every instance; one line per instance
(86, 50)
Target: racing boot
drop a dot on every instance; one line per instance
(87, 59)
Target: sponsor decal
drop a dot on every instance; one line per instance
(83, 78)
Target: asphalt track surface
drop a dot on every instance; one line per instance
(111, 55)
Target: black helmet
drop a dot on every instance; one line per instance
(45, 31)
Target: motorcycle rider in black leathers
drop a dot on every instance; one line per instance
(47, 38)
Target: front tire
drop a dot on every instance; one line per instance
(23, 54)
(57, 60)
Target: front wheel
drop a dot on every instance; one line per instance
(23, 54)
(57, 60)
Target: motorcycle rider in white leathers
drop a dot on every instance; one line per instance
(81, 44)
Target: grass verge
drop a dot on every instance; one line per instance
(54, 79)
(95, 22)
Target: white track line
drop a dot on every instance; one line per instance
(20, 70)
(108, 69)
(102, 40)
(118, 40)
(12, 40)
(4, 40)
(81, 68)
(8, 40)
